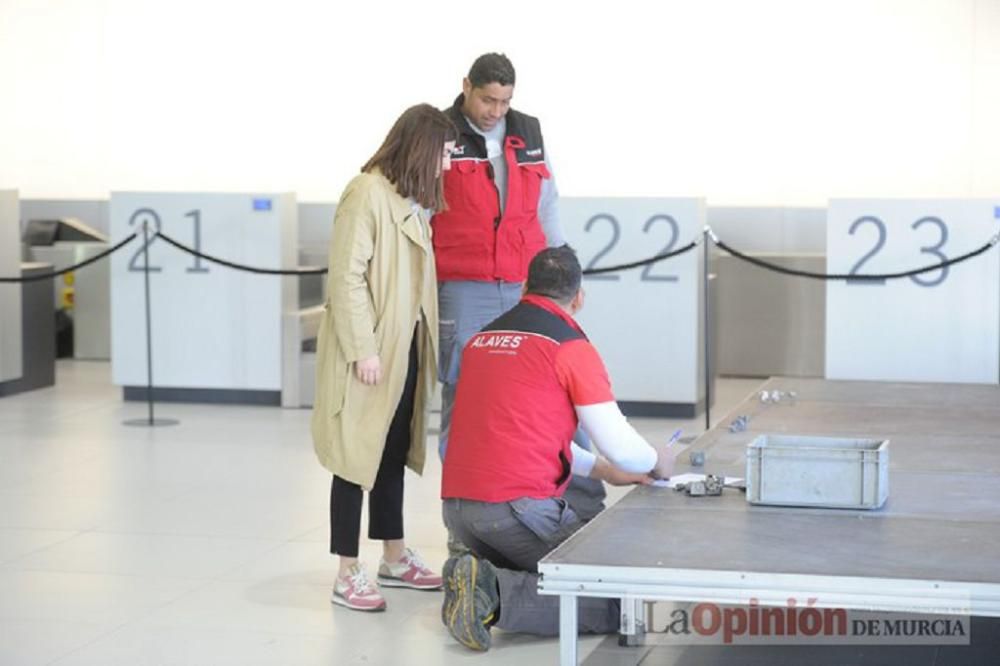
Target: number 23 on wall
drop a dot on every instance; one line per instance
(935, 249)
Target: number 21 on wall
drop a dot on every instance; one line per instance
(148, 215)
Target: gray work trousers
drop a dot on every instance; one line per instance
(464, 309)
(514, 536)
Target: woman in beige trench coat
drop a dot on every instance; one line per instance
(377, 350)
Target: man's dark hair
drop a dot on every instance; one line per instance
(555, 272)
(491, 68)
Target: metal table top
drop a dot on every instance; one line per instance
(938, 534)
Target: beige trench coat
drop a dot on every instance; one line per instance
(381, 283)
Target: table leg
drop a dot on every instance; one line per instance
(632, 631)
(567, 630)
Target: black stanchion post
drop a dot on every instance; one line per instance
(149, 421)
(149, 320)
(705, 336)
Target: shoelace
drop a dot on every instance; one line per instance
(414, 559)
(360, 582)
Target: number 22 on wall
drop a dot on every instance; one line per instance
(647, 274)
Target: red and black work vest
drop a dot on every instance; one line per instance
(513, 420)
(472, 240)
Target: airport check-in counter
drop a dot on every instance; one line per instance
(10, 294)
(219, 335)
(942, 325)
(303, 326)
(767, 323)
(85, 295)
(27, 336)
(647, 322)
(38, 339)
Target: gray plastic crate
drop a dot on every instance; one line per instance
(834, 472)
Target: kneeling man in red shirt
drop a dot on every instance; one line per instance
(528, 379)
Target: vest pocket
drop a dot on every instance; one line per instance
(532, 176)
(460, 249)
(532, 242)
(458, 184)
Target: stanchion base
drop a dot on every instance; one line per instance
(147, 422)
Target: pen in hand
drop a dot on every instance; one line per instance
(665, 463)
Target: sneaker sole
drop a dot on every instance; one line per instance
(341, 601)
(399, 582)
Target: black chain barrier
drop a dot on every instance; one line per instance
(319, 271)
(239, 267)
(590, 271)
(644, 262)
(87, 262)
(850, 276)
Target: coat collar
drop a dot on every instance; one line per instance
(403, 214)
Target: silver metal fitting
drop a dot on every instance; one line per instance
(711, 234)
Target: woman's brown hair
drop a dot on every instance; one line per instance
(410, 156)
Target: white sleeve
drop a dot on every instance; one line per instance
(615, 438)
(548, 209)
(583, 460)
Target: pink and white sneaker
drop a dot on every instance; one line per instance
(410, 572)
(354, 590)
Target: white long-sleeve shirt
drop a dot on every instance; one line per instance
(614, 438)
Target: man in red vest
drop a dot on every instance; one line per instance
(502, 210)
(528, 379)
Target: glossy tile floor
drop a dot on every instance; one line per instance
(203, 542)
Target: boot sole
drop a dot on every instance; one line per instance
(461, 611)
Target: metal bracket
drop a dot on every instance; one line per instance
(711, 486)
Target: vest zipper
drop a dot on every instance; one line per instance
(493, 179)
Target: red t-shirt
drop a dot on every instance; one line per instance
(513, 417)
